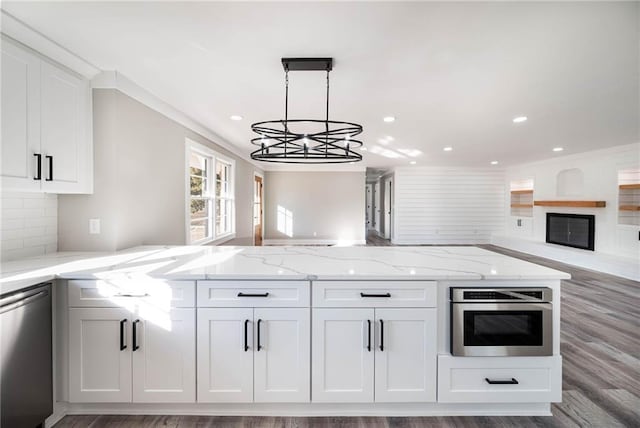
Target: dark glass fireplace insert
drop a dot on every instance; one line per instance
(571, 230)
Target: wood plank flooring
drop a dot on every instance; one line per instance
(600, 344)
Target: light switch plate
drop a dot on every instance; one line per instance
(94, 226)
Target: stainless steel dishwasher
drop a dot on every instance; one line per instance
(26, 396)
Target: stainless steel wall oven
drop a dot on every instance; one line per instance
(501, 321)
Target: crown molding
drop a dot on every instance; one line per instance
(21, 32)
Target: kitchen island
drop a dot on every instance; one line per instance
(283, 331)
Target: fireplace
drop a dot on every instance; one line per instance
(571, 230)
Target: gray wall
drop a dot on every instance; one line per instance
(331, 204)
(139, 181)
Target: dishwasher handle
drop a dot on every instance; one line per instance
(20, 299)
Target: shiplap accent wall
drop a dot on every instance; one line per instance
(448, 205)
(28, 224)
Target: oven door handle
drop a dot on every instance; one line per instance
(512, 381)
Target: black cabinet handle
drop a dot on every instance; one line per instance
(123, 345)
(259, 344)
(369, 335)
(246, 334)
(241, 294)
(375, 295)
(135, 336)
(39, 167)
(50, 159)
(513, 381)
(381, 335)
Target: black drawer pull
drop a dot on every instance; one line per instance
(39, 166)
(135, 333)
(241, 294)
(123, 345)
(50, 159)
(513, 381)
(246, 340)
(375, 295)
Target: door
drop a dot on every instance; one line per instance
(387, 209)
(99, 355)
(257, 210)
(225, 355)
(342, 355)
(281, 355)
(376, 207)
(406, 355)
(64, 137)
(369, 206)
(20, 118)
(164, 357)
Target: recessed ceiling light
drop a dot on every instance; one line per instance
(363, 148)
(519, 119)
(494, 162)
(389, 119)
(448, 149)
(558, 149)
(412, 162)
(236, 117)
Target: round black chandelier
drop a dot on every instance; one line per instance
(310, 141)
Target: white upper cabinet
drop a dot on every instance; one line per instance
(47, 142)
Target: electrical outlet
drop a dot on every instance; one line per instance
(94, 226)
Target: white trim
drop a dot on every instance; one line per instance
(253, 225)
(340, 242)
(313, 409)
(21, 32)
(626, 267)
(116, 80)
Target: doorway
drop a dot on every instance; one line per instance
(257, 210)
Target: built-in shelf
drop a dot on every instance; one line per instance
(522, 199)
(581, 204)
(629, 186)
(629, 207)
(521, 205)
(521, 192)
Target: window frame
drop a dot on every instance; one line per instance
(214, 158)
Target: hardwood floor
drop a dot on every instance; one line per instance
(600, 344)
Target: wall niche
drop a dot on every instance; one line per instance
(570, 182)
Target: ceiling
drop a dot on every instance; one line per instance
(452, 74)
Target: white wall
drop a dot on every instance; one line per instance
(28, 224)
(447, 205)
(318, 206)
(600, 173)
(139, 180)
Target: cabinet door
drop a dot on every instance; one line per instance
(20, 118)
(342, 363)
(164, 356)
(65, 140)
(99, 355)
(281, 355)
(225, 364)
(406, 356)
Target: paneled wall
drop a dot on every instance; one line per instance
(29, 224)
(448, 205)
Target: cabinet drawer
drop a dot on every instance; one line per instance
(122, 293)
(478, 379)
(379, 294)
(244, 294)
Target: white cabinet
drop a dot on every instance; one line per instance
(253, 354)
(367, 354)
(406, 358)
(100, 356)
(140, 349)
(343, 355)
(46, 125)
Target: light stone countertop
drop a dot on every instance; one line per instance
(272, 263)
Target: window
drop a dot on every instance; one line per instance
(211, 198)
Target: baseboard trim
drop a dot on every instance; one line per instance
(336, 242)
(624, 267)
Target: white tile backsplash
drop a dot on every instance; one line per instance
(28, 224)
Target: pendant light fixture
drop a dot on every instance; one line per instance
(311, 141)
